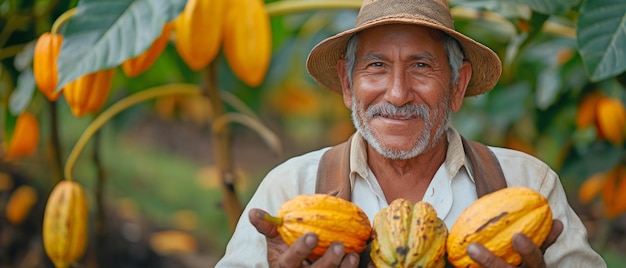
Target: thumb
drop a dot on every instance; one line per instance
(264, 227)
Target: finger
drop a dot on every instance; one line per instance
(298, 252)
(350, 260)
(531, 254)
(484, 257)
(332, 257)
(557, 229)
(255, 216)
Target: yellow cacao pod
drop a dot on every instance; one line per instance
(591, 187)
(47, 50)
(199, 31)
(493, 220)
(247, 40)
(89, 92)
(330, 217)
(20, 204)
(408, 235)
(611, 120)
(135, 66)
(65, 224)
(25, 137)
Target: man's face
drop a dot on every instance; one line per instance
(401, 89)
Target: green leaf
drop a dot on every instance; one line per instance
(549, 6)
(102, 34)
(601, 37)
(21, 96)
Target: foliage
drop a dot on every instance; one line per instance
(555, 54)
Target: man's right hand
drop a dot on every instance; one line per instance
(281, 255)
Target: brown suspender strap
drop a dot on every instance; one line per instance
(333, 175)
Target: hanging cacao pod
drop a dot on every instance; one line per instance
(330, 217)
(65, 224)
(134, 66)
(248, 40)
(586, 115)
(25, 137)
(89, 92)
(493, 219)
(47, 50)
(611, 120)
(591, 187)
(614, 192)
(199, 31)
(408, 235)
(20, 204)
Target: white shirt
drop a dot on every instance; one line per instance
(450, 192)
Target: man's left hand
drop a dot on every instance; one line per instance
(532, 256)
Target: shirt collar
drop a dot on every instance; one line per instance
(455, 157)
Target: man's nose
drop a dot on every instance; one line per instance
(398, 92)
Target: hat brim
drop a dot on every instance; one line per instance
(322, 61)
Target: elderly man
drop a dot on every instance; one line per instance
(402, 70)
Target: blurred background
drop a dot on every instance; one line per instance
(168, 114)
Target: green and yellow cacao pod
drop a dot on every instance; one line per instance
(199, 31)
(89, 92)
(493, 219)
(47, 50)
(611, 120)
(65, 224)
(25, 138)
(248, 40)
(330, 217)
(408, 235)
(135, 66)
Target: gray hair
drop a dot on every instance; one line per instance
(451, 45)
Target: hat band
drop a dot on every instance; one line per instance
(431, 10)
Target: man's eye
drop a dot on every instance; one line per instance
(377, 64)
(421, 65)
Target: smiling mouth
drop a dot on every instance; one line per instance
(396, 116)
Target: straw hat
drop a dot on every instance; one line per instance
(486, 66)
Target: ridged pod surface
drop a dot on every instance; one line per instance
(248, 40)
(47, 50)
(611, 120)
(89, 92)
(493, 220)
(408, 235)
(199, 31)
(330, 217)
(65, 224)
(137, 65)
(25, 137)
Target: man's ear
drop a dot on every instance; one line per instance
(458, 90)
(345, 84)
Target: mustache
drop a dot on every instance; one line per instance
(404, 111)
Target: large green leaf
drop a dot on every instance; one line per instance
(549, 6)
(102, 34)
(602, 37)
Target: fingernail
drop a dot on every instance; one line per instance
(353, 259)
(472, 250)
(338, 249)
(310, 240)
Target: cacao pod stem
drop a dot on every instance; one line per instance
(273, 220)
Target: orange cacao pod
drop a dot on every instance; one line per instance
(611, 120)
(89, 92)
(586, 115)
(408, 235)
(493, 220)
(614, 192)
(47, 50)
(20, 204)
(247, 40)
(65, 224)
(330, 217)
(199, 31)
(25, 136)
(137, 65)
